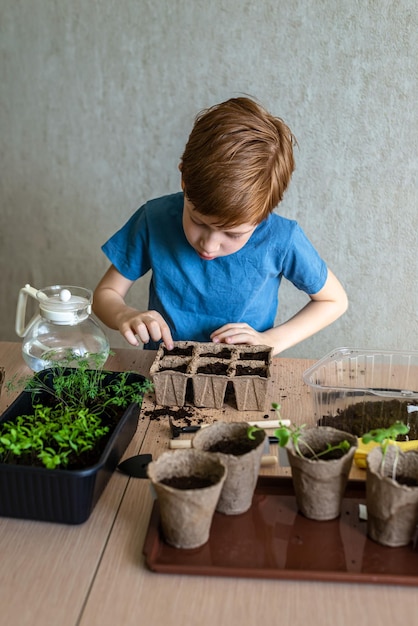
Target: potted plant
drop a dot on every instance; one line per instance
(241, 454)
(187, 484)
(320, 459)
(63, 436)
(391, 488)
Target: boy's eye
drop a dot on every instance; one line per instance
(235, 235)
(196, 222)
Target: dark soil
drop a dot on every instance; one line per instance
(409, 481)
(222, 354)
(256, 356)
(189, 482)
(181, 416)
(362, 417)
(180, 413)
(237, 446)
(246, 370)
(178, 351)
(219, 369)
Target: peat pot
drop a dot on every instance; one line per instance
(242, 457)
(392, 504)
(319, 484)
(187, 484)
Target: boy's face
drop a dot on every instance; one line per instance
(209, 241)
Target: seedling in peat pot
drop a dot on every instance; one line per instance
(295, 434)
(384, 437)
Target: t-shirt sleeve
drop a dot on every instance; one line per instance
(127, 249)
(302, 264)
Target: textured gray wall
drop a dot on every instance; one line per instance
(98, 97)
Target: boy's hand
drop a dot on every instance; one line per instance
(110, 307)
(238, 333)
(146, 325)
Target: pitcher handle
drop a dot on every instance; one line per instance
(20, 327)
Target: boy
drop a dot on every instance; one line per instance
(217, 251)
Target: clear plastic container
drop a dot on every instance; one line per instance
(351, 377)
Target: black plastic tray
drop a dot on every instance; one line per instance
(63, 496)
(273, 540)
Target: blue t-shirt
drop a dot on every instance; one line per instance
(195, 297)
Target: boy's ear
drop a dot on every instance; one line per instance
(182, 181)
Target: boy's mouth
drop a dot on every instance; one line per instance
(206, 257)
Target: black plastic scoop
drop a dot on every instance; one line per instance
(136, 466)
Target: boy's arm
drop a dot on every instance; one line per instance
(110, 307)
(324, 308)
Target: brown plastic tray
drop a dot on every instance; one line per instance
(273, 540)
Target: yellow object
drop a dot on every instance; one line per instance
(363, 449)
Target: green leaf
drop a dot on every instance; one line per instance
(283, 436)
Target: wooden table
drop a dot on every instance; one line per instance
(94, 574)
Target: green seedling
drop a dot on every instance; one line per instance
(50, 435)
(251, 430)
(73, 423)
(384, 437)
(285, 434)
(81, 387)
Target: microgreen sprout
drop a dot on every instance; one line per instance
(50, 435)
(81, 386)
(74, 423)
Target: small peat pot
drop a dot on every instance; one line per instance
(187, 484)
(242, 457)
(392, 496)
(29, 490)
(320, 477)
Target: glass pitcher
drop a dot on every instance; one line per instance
(62, 327)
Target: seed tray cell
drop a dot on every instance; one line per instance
(202, 371)
(251, 368)
(174, 364)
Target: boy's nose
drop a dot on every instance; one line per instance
(210, 243)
